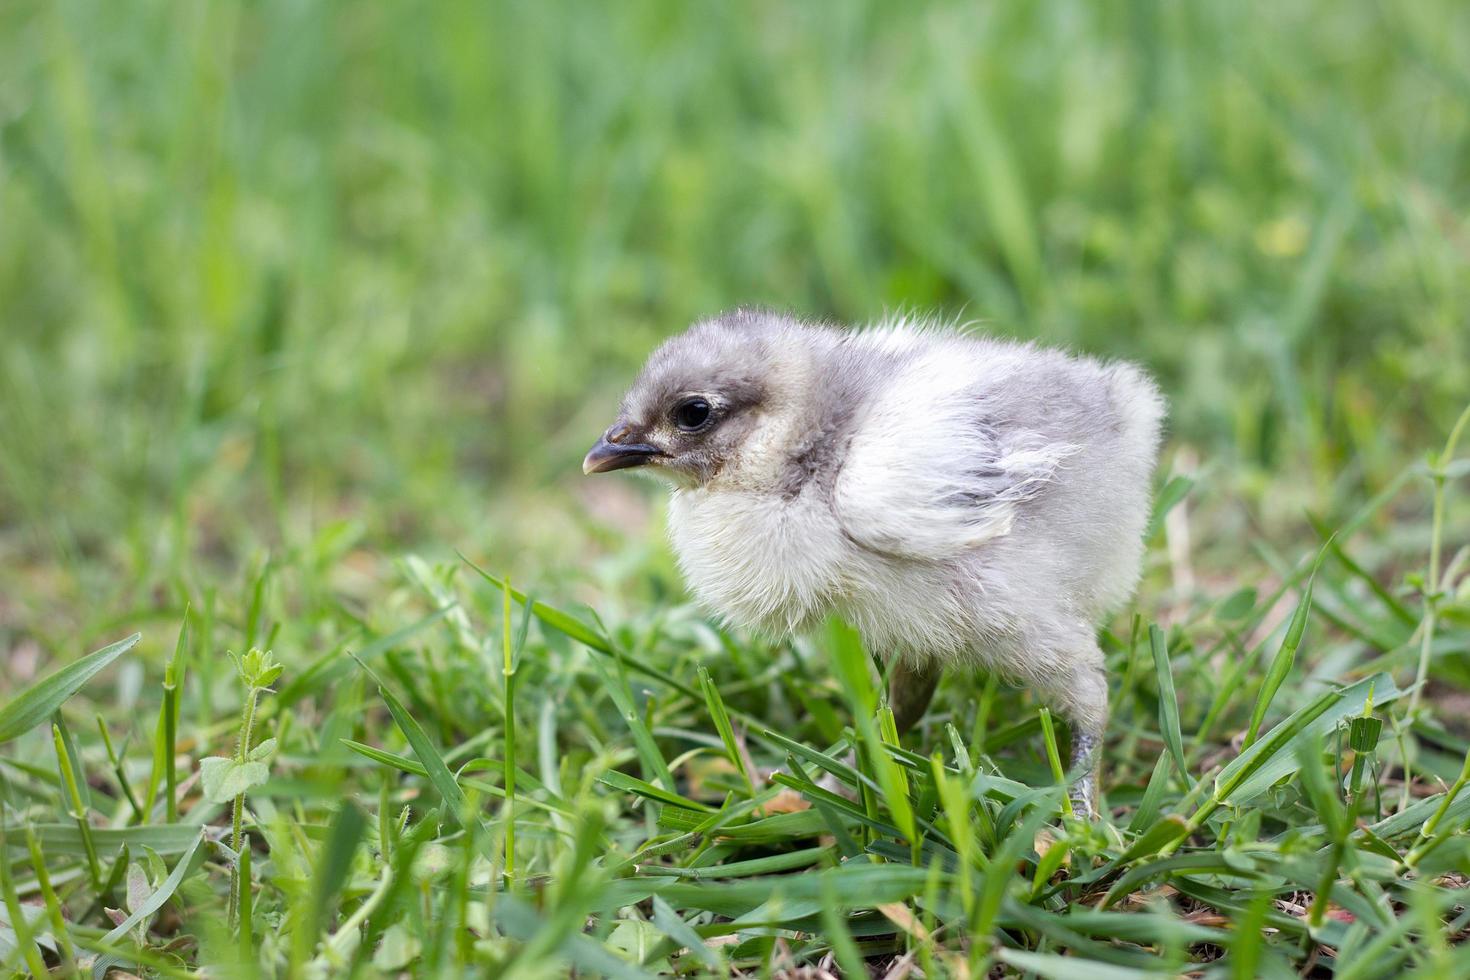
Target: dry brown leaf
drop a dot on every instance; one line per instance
(903, 917)
(1044, 842)
(958, 966)
(701, 768)
(1139, 900)
(786, 801)
(901, 968)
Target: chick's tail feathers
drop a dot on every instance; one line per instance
(1140, 407)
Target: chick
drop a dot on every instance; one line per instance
(963, 501)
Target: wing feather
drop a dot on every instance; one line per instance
(929, 475)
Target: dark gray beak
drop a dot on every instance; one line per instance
(615, 451)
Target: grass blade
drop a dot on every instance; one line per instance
(716, 706)
(1054, 758)
(510, 654)
(654, 764)
(632, 784)
(1168, 702)
(321, 671)
(1285, 656)
(851, 665)
(389, 759)
(589, 637)
(57, 838)
(844, 950)
(1172, 494)
(37, 703)
(78, 778)
(1148, 807)
(154, 902)
(173, 679)
(684, 935)
(330, 875)
(428, 756)
(1257, 768)
(1055, 967)
(69, 778)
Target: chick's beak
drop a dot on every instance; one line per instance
(618, 450)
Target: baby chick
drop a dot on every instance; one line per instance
(961, 500)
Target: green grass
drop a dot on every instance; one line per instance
(297, 301)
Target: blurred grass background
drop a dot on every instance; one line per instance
(332, 280)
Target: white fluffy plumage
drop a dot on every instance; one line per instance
(961, 500)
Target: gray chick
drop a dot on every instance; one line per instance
(961, 500)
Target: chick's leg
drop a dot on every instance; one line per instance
(910, 689)
(1085, 751)
(1081, 697)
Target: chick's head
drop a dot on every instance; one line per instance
(716, 404)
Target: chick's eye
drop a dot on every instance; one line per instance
(691, 414)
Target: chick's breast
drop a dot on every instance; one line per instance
(766, 561)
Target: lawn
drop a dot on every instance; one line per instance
(308, 312)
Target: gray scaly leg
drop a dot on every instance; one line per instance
(1081, 696)
(1085, 751)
